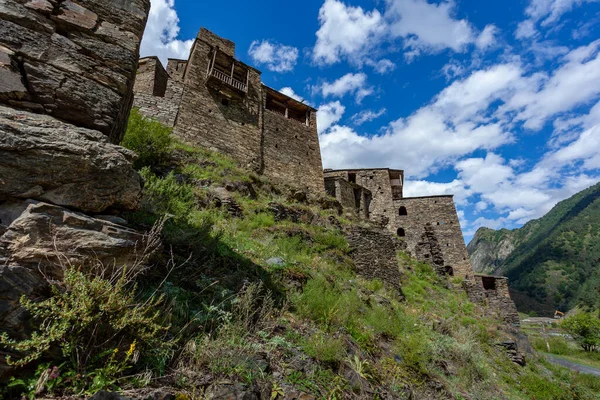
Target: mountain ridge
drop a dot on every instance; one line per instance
(552, 261)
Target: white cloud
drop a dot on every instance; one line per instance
(367, 116)
(575, 82)
(585, 149)
(348, 84)
(487, 38)
(484, 174)
(277, 57)
(550, 11)
(526, 29)
(345, 31)
(329, 114)
(545, 13)
(481, 205)
(162, 31)
(424, 188)
(355, 34)
(288, 91)
(428, 27)
(382, 67)
(456, 123)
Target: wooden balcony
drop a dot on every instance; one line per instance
(223, 77)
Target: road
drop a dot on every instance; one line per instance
(584, 369)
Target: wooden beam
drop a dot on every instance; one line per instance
(213, 60)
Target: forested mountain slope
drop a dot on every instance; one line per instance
(553, 262)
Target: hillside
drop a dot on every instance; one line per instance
(553, 262)
(254, 294)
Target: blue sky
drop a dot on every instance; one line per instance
(497, 102)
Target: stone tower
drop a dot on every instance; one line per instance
(216, 101)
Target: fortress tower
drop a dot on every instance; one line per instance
(218, 102)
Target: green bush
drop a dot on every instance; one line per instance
(536, 386)
(585, 329)
(99, 326)
(167, 196)
(324, 348)
(150, 140)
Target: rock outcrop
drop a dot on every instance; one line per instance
(38, 240)
(74, 60)
(67, 70)
(41, 234)
(46, 159)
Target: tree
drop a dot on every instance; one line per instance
(585, 329)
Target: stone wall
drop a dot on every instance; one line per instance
(204, 119)
(378, 182)
(354, 199)
(492, 292)
(74, 61)
(440, 213)
(160, 107)
(67, 71)
(208, 112)
(151, 77)
(291, 151)
(374, 252)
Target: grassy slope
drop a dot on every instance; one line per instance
(306, 322)
(325, 330)
(556, 257)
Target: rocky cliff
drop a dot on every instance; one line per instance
(67, 71)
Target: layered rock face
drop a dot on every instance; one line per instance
(67, 70)
(74, 60)
(46, 159)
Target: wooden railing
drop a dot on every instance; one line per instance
(229, 80)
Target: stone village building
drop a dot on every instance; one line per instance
(218, 102)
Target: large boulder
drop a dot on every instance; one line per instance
(45, 159)
(75, 60)
(41, 234)
(39, 240)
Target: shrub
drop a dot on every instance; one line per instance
(151, 140)
(324, 348)
(585, 329)
(167, 196)
(99, 326)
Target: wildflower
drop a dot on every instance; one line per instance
(131, 349)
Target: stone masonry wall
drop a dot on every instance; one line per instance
(345, 193)
(291, 151)
(377, 181)
(233, 129)
(495, 296)
(151, 77)
(440, 212)
(374, 252)
(76, 61)
(163, 108)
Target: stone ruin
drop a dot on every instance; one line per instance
(218, 102)
(67, 71)
(428, 228)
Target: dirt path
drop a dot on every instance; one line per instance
(584, 369)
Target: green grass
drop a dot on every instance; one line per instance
(228, 307)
